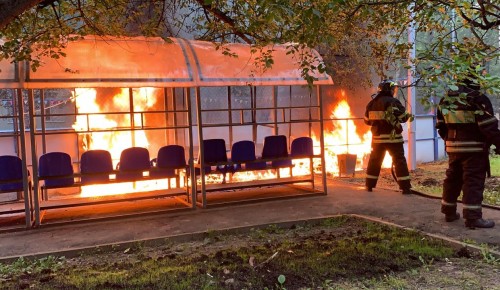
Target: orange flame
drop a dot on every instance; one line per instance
(90, 119)
(343, 139)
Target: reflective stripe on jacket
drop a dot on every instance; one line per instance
(467, 124)
(385, 114)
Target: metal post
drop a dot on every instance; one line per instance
(412, 126)
(310, 115)
(191, 150)
(174, 107)
(15, 124)
(26, 183)
(230, 112)
(275, 105)
(131, 109)
(453, 28)
(435, 138)
(321, 139)
(165, 103)
(36, 187)
(42, 120)
(347, 135)
(289, 113)
(201, 152)
(253, 104)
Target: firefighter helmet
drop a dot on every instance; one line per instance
(387, 86)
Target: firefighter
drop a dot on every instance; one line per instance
(384, 113)
(466, 123)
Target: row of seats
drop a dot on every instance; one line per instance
(243, 157)
(96, 166)
(55, 169)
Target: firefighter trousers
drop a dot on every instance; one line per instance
(466, 173)
(397, 152)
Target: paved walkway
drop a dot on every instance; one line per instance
(407, 210)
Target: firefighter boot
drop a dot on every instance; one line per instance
(370, 184)
(479, 223)
(406, 191)
(405, 186)
(452, 217)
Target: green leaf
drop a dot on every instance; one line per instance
(281, 279)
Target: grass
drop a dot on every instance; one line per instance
(495, 165)
(491, 196)
(339, 250)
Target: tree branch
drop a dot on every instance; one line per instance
(10, 9)
(487, 24)
(374, 3)
(226, 19)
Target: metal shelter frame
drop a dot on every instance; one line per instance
(180, 68)
(18, 136)
(279, 116)
(42, 203)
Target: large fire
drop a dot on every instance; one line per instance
(343, 139)
(114, 141)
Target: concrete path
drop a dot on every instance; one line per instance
(407, 210)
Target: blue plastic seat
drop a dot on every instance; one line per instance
(95, 166)
(214, 152)
(302, 147)
(11, 169)
(241, 153)
(276, 147)
(133, 162)
(56, 169)
(170, 158)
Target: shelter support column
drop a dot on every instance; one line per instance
(201, 154)
(187, 95)
(26, 183)
(42, 120)
(412, 126)
(36, 187)
(230, 112)
(275, 104)
(132, 119)
(253, 105)
(321, 139)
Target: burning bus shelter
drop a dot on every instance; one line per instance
(126, 99)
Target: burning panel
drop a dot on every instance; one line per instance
(119, 118)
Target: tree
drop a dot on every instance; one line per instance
(461, 38)
(10, 9)
(355, 37)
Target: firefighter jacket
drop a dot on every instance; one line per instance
(385, 114)
(466, 122)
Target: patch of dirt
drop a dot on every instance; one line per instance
(427, 174)
(224, 258)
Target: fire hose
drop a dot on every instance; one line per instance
(393, 173)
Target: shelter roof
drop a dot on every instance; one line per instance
(153, 62)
